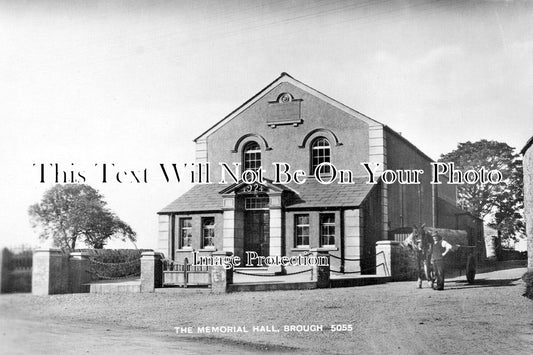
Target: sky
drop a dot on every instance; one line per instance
(132, 83)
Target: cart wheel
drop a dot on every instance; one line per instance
(471, 269)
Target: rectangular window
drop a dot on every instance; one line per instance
(302, 230)
(208, 232)
(256, 203)
(185, 232)
(327, 229)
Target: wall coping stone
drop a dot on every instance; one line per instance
(48, 250)
(79, 255)
(387, 242)
(154, 254)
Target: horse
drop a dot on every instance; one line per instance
(420, 242)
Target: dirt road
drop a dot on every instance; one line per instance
(490, 316)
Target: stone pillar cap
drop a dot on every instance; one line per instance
(79, 255)
(48, 250)
(387, 242)
(152, 253)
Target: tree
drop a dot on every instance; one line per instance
(74, 212)
(500, 204)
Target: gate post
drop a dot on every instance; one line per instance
(4, 269)
(185, 271)
(321, 270)
(49, 272)
(221, 276)
(151, 271)
(387, 258)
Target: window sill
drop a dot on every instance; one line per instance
(329, 247)
(303, 248)
(208, 249)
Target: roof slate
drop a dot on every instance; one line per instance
(202, 197)
(310, 194)
(313, 194)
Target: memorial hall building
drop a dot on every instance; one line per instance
(290, 122)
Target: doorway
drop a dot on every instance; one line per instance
(257, 228)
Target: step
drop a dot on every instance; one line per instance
(256, 270)
(275, 286)
(116, 286)
(174, 289)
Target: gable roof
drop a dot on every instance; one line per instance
(309, 195)
(284, 77)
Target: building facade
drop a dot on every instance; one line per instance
(527, 153)
(292, 126)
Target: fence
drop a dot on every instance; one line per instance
(278, 275)
(185, 274)
(393, 263)
(15, 270)
(157, 272)
(114, 271)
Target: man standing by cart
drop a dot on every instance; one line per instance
(439, 249)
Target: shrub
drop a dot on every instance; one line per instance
(528, 279)
(405, 260)
(511, 254)
(107, 264)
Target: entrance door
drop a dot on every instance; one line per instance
(256, 231)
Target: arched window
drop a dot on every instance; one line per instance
(320, 153)
(251, 156)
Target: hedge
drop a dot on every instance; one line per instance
(528, 279)
(107, 264)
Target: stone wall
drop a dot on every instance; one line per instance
(528, 200)
(56, 272)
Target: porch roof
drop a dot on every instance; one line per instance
(313, 194)
(202, 197)
(310, 194)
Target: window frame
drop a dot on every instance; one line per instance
(212, 228)
(256, 202)
(247, 151)
(302, 225)
(181, 229)
(329, 226)
(326, 158)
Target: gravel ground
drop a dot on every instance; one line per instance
(490, 316)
